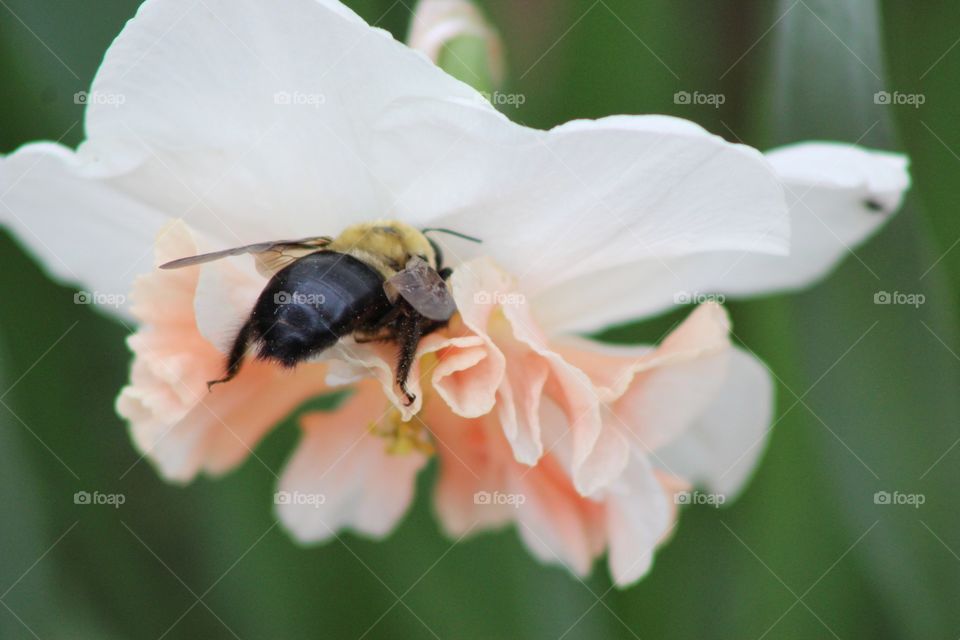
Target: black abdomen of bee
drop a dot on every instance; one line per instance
(311, 304)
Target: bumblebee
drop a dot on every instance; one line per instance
(377, 281)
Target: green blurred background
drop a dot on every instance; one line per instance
(867, 394)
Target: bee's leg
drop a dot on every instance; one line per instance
(445, 273)
(237, 353)
(408, 332)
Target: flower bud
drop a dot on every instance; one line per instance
(459, 39)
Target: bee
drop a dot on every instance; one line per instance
(379, 281)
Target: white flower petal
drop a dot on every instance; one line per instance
(81, 230)
(722, 448)
(839, 195)
(200, 93)
(637, 518)
(585, 196)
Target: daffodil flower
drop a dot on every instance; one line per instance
(228, 122)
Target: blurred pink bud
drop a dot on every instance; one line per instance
(437, 23)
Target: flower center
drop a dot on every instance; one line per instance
(403, 437)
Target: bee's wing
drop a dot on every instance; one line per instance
(271, 256)
(278, 256)
(421, 286)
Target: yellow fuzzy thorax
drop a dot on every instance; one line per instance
(386, 245)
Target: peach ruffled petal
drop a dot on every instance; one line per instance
(472, 462)
(557, 524)
(342, 476)
(481, 486)
(493, 308)
(349, 362)
(655, 394)
(466, 371)
(174, 421)
(573, 391)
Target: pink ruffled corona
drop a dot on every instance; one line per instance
(563, 438)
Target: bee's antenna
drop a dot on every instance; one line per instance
(453, 233)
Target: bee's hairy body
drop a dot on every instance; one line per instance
(385, 245)
(338, 291)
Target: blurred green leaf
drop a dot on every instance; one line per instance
(886, 408)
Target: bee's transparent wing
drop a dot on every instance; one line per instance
(421, 286)
(271, 256)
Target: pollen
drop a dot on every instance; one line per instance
(403, 437)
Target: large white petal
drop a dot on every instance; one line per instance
(186, 114)
(839, 195)
(721, 449)
(80, 229)
(256, 116)
(582, 197)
